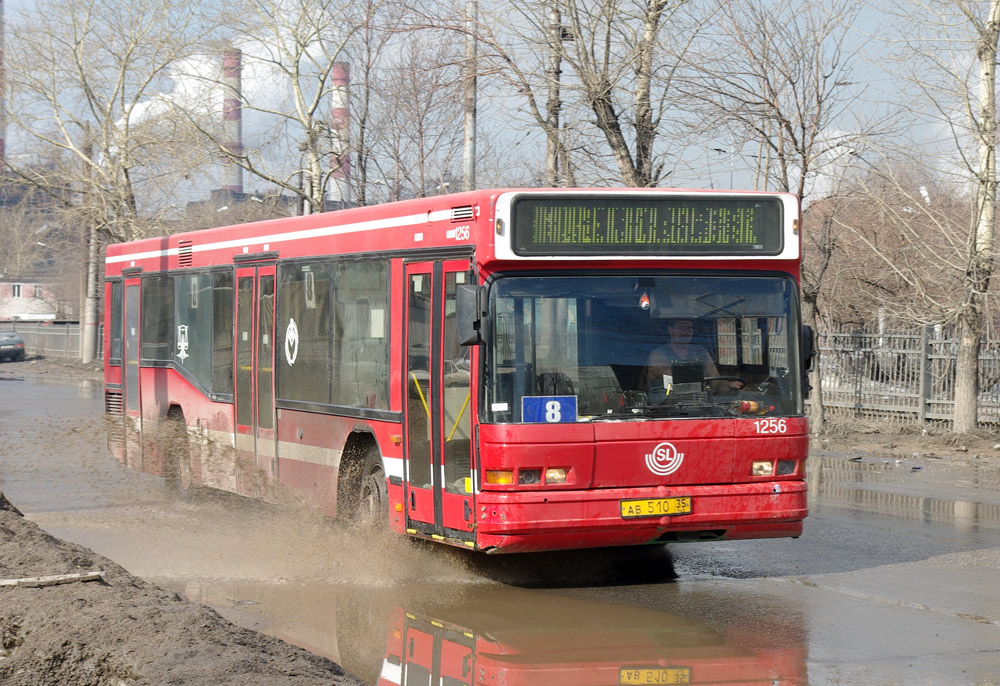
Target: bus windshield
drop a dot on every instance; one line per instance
(572, 348)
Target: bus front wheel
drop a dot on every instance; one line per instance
(373, 505)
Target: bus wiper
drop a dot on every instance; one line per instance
(677, 409)
(627, 413)
(699, 405)
(672, 410)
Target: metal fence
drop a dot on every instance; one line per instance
(52, 339)
(902, 377)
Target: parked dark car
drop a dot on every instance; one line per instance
(11, 346)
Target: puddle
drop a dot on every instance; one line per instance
(493, 634)
(966, 495)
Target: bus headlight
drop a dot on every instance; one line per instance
(762, 468)
(555, 475)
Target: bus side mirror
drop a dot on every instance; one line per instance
(469, 301)
(808, 357)
(808, 347)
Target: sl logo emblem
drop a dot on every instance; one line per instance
(291, 342)
(664, 459)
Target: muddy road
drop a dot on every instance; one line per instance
(894, 580)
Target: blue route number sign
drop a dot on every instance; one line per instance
(548, 409)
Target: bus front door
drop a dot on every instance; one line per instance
(255, 438)
(439, 477)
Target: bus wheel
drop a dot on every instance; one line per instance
(373, 503)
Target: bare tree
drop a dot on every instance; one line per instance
(778, 77)
(84, 80)
(373, 39)
(897, 225)
(947, 56)
(24, 249)
(980, 265)
(416, 133)
(598, 74)
(630, 68)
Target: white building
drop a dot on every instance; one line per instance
(28, 301)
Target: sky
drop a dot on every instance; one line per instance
(706, 164)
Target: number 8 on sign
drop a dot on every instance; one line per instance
(553, 411)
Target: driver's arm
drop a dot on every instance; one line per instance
(720, 385)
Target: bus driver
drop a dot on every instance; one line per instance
(681, 355)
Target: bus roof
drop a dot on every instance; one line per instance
(420, 223)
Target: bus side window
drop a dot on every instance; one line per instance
(115, 354)
(223, 302)
(157, 315)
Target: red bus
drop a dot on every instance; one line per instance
(503, 370)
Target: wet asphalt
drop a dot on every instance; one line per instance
(894, 580)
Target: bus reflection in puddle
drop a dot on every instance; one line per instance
(517, 637)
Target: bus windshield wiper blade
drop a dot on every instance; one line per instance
(630, 413)
(692, 407)
(673, 410)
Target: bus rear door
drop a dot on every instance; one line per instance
(439, 478)
(255, 426)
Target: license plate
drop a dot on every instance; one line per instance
(632, 676)
(655, 507)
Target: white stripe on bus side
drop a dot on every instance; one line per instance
(324, 231)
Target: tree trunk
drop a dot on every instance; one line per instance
(971, 316)
(635, 170)
(967, 374)
(608, 122)
(645, 123)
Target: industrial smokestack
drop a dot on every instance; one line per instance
(232, 120)
(340, 165)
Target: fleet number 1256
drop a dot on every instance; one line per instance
(770, 426)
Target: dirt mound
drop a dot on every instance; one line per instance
(120, 630)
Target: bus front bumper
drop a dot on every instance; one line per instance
(555, 520)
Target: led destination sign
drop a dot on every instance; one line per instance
(678, 225)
